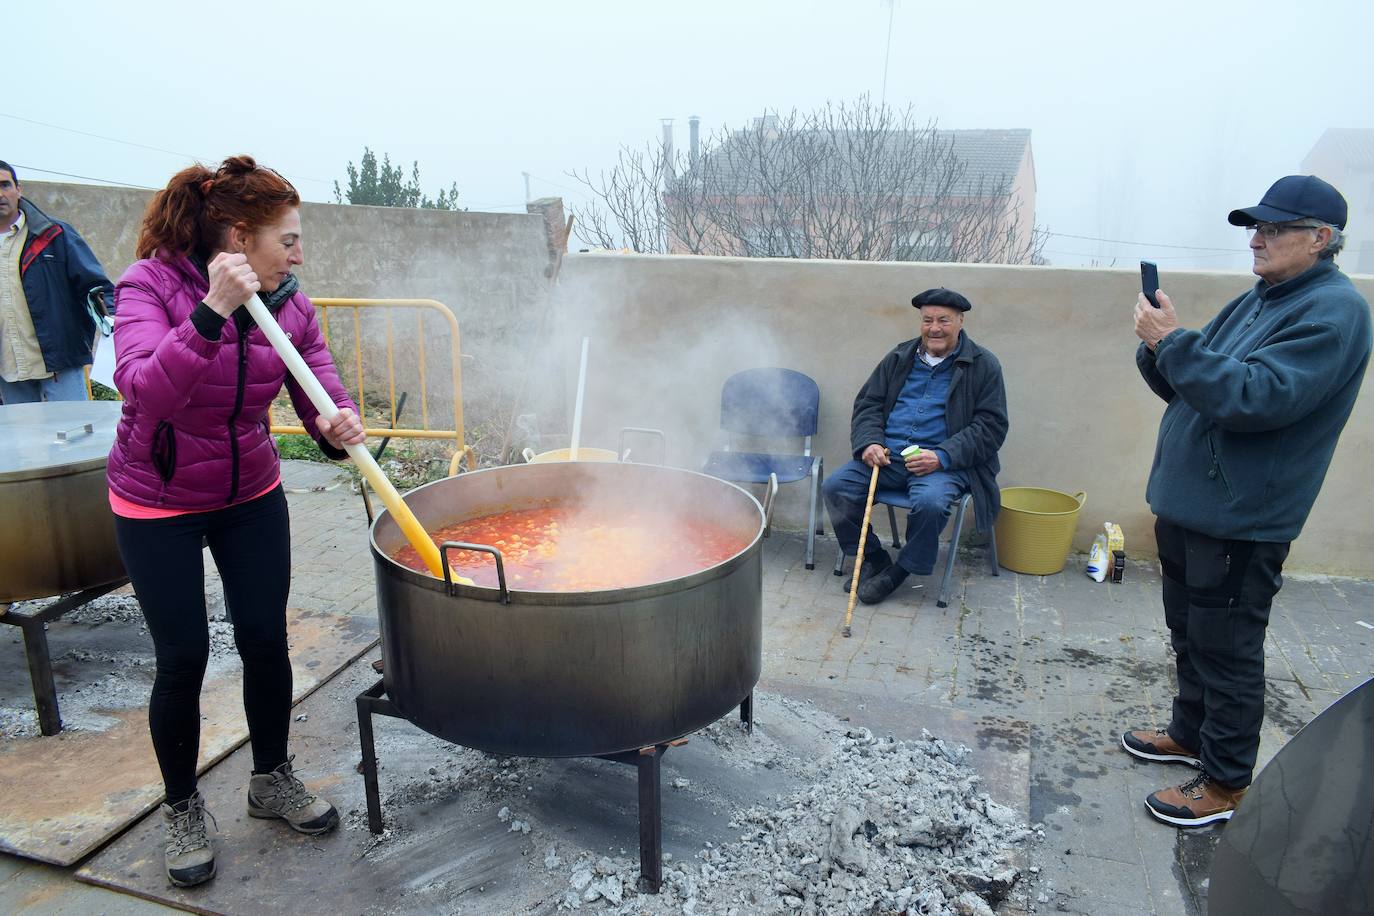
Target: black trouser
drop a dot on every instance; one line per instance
(1217, 595)
(251, 545)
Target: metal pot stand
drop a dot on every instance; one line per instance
(646, 760)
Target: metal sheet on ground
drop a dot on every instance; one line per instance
(61, 797)
(1302, 840)
(447, 847)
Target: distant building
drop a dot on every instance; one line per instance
(758, 196)
(1344, 156)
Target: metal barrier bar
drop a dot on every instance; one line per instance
(456, 433)
(323, 305)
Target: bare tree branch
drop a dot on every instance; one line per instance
(853, 180)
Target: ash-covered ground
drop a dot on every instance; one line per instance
(103, 662)
(823, 817)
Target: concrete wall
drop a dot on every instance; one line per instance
(667, 331)
(489, 268)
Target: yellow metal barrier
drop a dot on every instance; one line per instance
(425, 431)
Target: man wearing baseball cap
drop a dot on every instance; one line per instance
(943, 393)
(1256, 401)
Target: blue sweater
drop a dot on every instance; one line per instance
(918, 417)
(1257, 400)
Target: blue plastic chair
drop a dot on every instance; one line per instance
(771, 404)
(899, 500)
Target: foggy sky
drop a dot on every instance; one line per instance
(1149, 121)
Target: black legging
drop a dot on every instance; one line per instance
(251, 545)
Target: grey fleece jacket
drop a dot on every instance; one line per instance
(1257, 400)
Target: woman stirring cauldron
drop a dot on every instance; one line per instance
(194, 459)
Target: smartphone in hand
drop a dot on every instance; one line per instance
(1149, 281)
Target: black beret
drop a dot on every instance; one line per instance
(941, 296)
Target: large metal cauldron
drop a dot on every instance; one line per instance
(562, 674)
(56, 528)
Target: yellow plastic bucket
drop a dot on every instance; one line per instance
(583, 454)
(1035, 529)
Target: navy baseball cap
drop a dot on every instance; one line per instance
(1295, 197)
(941, 296)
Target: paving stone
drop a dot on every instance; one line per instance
(1072, 661)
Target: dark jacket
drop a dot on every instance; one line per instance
(975, 415)
(1257, 400)
(195, 429)
(59, 272)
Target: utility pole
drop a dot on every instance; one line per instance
(887, 55)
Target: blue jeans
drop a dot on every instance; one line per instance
(67, 385)
(929, 499)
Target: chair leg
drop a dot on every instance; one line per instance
(892, 523)
(839, 560)
(819, 515)
(811, 521)
(943, 600)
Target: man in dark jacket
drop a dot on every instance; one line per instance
(1257, 399)
(53, 296)
(943, 393)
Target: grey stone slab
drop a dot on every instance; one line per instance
(38, 889)
(9, 866)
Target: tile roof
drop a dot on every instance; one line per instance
(990, 154)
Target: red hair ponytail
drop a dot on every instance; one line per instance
(191, 215)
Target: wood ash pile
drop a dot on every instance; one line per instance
(103, 662)
(883, 826)
(808, 814)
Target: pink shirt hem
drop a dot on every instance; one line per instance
(125, 509)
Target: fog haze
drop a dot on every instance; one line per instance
(1149, 122)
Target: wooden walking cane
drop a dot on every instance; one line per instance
(859, 557)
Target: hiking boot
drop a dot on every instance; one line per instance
(1157, 746)
(875, 561)
(189, 858)
(280, 794)
(1196, 803)
(871, 591)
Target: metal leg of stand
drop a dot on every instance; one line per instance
(746, 713)
(40, 674)
(649, 766)
(33, 621)
(369, 701)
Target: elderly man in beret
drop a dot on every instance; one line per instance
(943, 393)
(1256, 401)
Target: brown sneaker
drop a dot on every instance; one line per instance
(1196, 803)
(1157, 746)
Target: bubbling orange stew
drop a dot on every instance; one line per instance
(565, 549)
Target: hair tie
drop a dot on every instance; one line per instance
(206, 185)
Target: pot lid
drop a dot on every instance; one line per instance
(52, 438)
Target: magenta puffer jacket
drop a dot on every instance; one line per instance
(194, 432)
